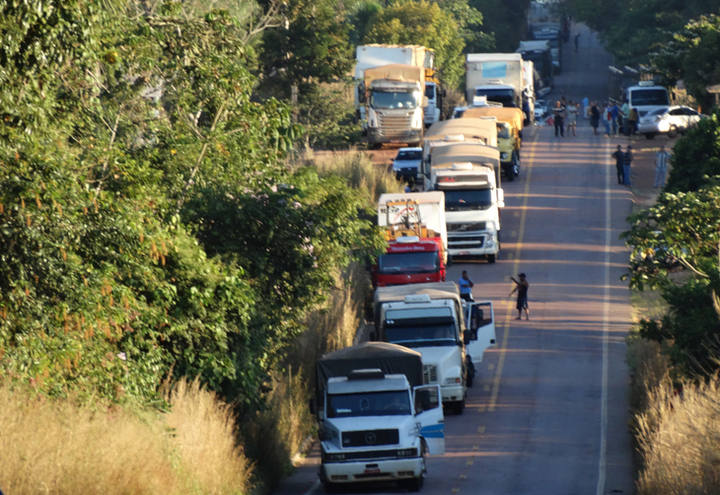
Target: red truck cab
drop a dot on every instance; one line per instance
(410, 260)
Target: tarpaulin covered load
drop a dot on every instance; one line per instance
(389, 358)
(513, 116)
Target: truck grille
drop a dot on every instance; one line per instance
(465, 227)
(370, 437)
(429, 373)
(466, 241)
(373, 455)
(394, 125)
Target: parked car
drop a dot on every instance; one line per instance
(668, 120)
(541, 109)
(406, 163)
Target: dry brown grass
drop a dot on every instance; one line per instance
(361, 173)
(679, 439)
(55, 446)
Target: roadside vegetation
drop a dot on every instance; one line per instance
(675, 247)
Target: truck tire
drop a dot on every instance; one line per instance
(491, 258)
(515, 164)
(416, 484)
(459, 407)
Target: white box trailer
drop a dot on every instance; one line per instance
(498, 76)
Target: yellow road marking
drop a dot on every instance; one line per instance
(518, 248)
(481, 429)
(470, 462)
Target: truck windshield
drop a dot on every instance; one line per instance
(386, 99)
(640, 97)
(419, 332)
(504, 96)
(392, 263)
(389, 403)
(468, 199)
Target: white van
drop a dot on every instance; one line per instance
(646, 97)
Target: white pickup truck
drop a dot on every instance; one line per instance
(377, 421)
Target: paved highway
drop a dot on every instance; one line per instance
(548, 413)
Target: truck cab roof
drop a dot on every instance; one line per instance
(344, 385)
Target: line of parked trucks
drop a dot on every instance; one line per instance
(380, 404)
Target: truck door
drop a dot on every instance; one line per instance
(429, 414)
(480, 324)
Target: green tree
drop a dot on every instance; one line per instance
(696, 156)
(681, 230)
(692, 56)
(409, 22)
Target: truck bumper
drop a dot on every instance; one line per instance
(472, 244)
(452, 393)
(371, 470)
(379, 136)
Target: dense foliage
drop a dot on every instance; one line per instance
(148, 223)
(680, 235)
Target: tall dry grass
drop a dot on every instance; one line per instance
(679, 440)
(59, 447)
(358, 169)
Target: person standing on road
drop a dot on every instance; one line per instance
(466, 286)
(619, 161)
(572, 113)
(559, 118)
(521, 287)
(594, 117)
(615, 114)
(627, 162)
(661, 163)
(633, 120)
(577, 41)
(607, 118)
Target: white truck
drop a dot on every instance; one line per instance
(646, 96)
(469, 175)
(379, 55)
(377, 421)
(496, 76)
(538, 52)
(432, 318)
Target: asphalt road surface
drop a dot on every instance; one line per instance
(548, 413)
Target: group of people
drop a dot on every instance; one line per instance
(614, 118)
(564, 115)
(623, 162)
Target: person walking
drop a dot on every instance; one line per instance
(559, 118)
(572, 113)
(585, 106)
(625, 116)
(466, 286)
(627, 162)
(521, 287)
(619, 160)
(661, 163)
(594, 117)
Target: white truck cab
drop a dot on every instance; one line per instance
(377, 427)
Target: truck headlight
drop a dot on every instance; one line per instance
(407, 452)
(334, 457)
(453, 380)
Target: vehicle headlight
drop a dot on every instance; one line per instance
(453, 380)
(504, 155)
(407, 452)
(334, 457)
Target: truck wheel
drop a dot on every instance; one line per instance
(459, 407)
(515, 165)
(491, 258)
(649, 135)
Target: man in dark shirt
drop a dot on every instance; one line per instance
(521, 287)
(619, 160)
